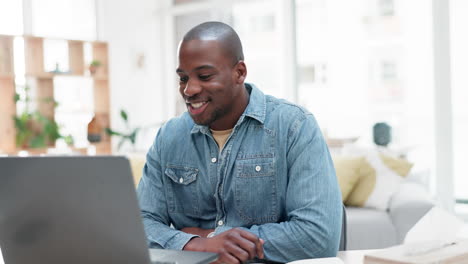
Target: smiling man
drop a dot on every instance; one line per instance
(242, 174)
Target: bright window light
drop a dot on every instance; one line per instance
(69, 19)
(11, 17)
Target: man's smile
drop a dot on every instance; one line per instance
(196, 108)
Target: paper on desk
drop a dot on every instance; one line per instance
(437, 225)
(318, 261)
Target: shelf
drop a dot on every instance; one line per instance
(102, 148)
(6, 55)
(34, 54)
(100, 78)
(7, 111)
(43, 84)
(76, 55)
(7, 76)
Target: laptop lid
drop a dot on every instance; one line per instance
(70, 210)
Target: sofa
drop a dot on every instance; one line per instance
(368, 228)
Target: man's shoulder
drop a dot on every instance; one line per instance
(177, 126)
(283, 109)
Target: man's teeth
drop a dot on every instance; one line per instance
(197, 105)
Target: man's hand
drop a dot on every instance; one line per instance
(233, 246)
(197, 231)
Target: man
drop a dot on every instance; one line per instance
(240, 173)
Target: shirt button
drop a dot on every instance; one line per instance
(181, 180)
(258, 168)
(220, 222)
(213, 160)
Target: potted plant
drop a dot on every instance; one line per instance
(93, 66)
(33, 129)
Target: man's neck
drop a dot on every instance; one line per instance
(237, 112)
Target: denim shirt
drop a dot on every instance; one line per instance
(274, 178)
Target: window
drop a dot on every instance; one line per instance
(372, 71)
(11, 17)
(68, 19)
(386, 7)
(459, 57)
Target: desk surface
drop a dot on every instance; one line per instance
(353, 256)
(348, 257)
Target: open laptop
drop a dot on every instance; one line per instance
(75, 210)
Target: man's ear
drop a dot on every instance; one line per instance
(240, 72)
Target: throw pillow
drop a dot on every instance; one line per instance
(363, 187)
(376, 188)
(137, 163)
(347, 173)
(400, 166)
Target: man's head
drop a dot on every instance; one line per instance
(212, 74)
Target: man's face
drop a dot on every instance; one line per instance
(208, 83)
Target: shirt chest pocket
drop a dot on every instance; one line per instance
(182, 189)
(255, 187)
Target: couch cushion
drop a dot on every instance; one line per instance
(348, 173)
(364, 187)
(369, 229)
(376, 190)
(401, 166)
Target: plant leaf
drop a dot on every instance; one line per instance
(69, 140)
(122, 141)
(16, 97)
(38, 142)
(111, 132)
(124, 115)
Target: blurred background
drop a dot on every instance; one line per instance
(351, 63)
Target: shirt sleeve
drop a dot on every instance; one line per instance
(313, 201)
(152, 199)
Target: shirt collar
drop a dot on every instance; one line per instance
(256, 109)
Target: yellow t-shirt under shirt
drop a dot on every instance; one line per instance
(220, 136)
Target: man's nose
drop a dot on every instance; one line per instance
(192, 88)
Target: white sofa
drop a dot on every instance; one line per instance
(371, 228)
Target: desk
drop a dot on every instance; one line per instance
(348, 257)
(353, 256)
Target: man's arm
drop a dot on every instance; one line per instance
(152, 199)
(313, 201)
(234, 246)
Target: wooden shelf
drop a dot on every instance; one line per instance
(7, 76)
(76, 55)
(7, 111)
(6, 56)
(44, 84)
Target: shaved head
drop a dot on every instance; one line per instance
(222, 33)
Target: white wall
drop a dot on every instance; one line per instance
(133, 30)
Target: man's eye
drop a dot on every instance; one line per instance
(204, 77)
(183, 79)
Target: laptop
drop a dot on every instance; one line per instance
(75, 210)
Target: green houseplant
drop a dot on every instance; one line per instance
(128, 136)
(94, 65)
(33, 129)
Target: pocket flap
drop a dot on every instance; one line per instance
(256, 168)
(182, 175)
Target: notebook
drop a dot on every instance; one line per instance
(75, 210)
